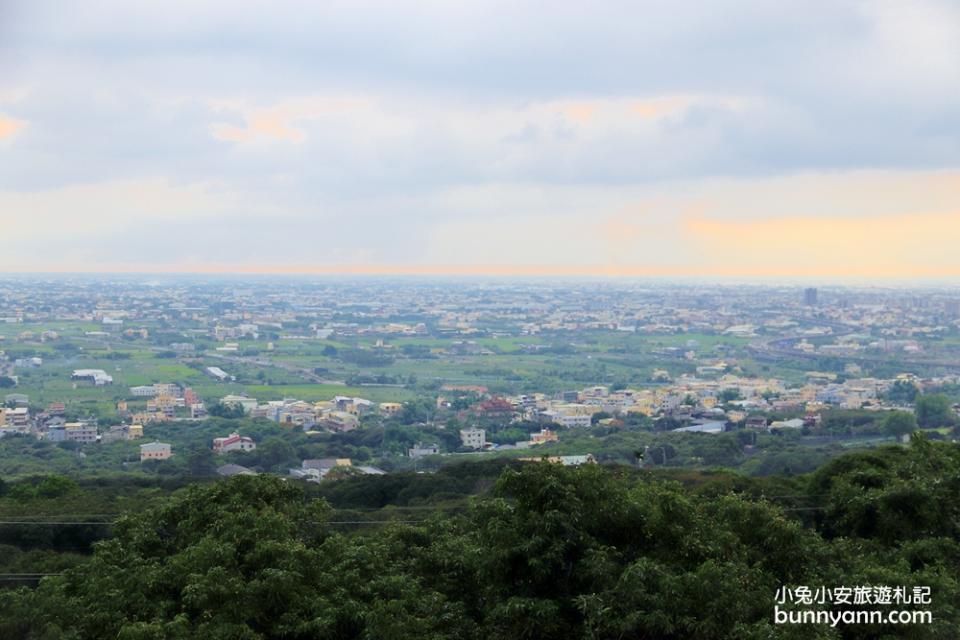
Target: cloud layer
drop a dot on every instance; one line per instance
(626, 138)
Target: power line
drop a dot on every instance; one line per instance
(53, 523)
(104, 523)
(368, 521)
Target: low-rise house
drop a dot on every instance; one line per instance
(155, 451)
(326, 463)
(706, 427)
(81, 432)
(144, 391)
(6, 430)
(795, 423)
(370, 471)
(567, 461)
(340, 421)
(361, 406)
(15, 417)
(356, 406)
(565, 419)
(390, 409)
(230, 470)
(473, 438)
(98, 377)
(247, 404)
(545, 435)
(495, 409)
(316, 469)
(113, 434)
(218, 374)
(17, 399)
(233, 442)
(420, 450)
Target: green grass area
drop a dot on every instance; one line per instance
(63, 327)
(317, 392)
(570, 361)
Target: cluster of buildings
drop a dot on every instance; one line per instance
(164, 401)
(704, 405)
(342, 413)
(52, 426)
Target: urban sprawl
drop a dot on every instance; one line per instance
(434, 371)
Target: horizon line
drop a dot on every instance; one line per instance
(891, 273)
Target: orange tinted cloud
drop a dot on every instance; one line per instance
(581, 113)
(277, 122)
(659, 107)
(9, 126)
(505, 270)
(905, 245)
(665, 105)
(260, 126)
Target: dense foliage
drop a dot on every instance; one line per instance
(548, 552)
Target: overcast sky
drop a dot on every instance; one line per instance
(662, 138)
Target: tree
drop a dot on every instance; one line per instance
(899, 423)
(7, 382)
(549, 553)
(201, 463)
(275, 451)
(230, 411)
(660, 453)
(902, 392)
(417, 411)
(934, 410)
(597, 417)
(729, 395)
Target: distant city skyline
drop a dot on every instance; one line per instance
(812, 140)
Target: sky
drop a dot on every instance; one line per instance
(721, 138)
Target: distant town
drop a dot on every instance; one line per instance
(439, 370)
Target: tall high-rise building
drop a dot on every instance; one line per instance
(810, 296)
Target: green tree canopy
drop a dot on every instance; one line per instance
(899, 423)
(934, 410)
(550, 553)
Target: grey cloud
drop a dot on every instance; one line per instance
(119, 90)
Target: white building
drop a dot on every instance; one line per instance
(145, 391)
(248, 404)
(473, 438)
(233, 442)
(421, 450)
(217, 373)
(99, 377)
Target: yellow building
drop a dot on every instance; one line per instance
(390, 408)
(736, 416)
(545, 435)
(155, 451)
(164, 401)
